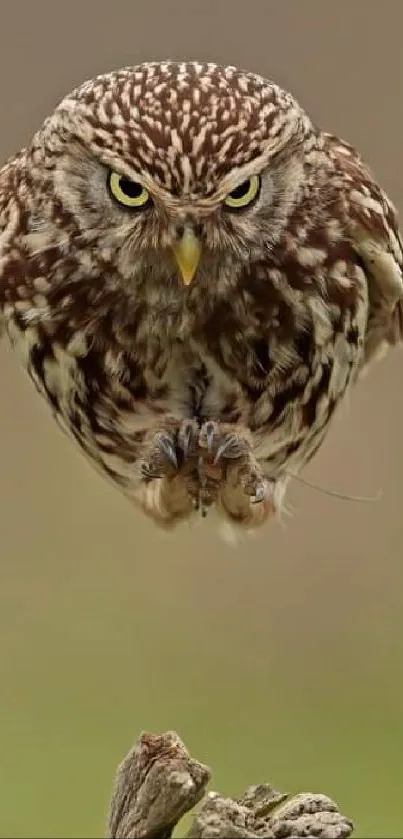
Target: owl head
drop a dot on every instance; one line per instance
(176, 173)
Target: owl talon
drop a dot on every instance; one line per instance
(188, 436)
(260, 493)
(220, 444)
(168, 448)
(171, 450)
(230, 448)
(162, 459)
(210, 431)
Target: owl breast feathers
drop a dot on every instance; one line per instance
(193, 275)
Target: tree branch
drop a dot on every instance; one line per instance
(158, 782)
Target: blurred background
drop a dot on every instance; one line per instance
(279, 660)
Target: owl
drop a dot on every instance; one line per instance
(193, 275)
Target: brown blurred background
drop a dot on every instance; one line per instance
(282, 660)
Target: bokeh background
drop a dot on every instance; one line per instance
(281, 659)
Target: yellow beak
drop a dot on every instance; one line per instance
(187, 252)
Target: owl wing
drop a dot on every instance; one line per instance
(374, 233)
(9, 217)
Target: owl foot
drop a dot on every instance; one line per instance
(243, 492)
(171, 450)
(227, 447)
(172, 487)
(191, 468)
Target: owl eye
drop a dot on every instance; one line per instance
(243, 195)
(131, 194)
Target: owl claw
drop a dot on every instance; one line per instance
(260, 493)
(230, 448)
(222, 445)
(238, 478)
(188, 435)
(169, 450)
(210, 461)
(210, 431)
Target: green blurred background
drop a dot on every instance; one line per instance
(279, 660)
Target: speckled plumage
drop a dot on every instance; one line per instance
(292, 296)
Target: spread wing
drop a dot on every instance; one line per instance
(374, 232)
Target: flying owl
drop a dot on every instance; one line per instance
(193, 275)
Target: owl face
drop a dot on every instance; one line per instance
(177, 172)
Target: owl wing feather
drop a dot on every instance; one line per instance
(374, 233)
(10, 210)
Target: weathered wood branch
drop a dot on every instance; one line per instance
(158, 782)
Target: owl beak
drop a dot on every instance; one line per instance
(187, 252)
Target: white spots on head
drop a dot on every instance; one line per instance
(225, 147)
(102, 114)
(118, 118)
(243, 84)
(185, 123)
(158, 90)
(219, 116)
(173, 100)
(199, 69)
(197, 145)
(148, 152)
(187, 173)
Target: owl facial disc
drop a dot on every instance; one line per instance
(187, 251)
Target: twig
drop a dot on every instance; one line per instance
(158, 782)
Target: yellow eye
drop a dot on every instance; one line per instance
(131, 194)
(244, 194)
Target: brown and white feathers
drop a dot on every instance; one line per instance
(193, 275)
